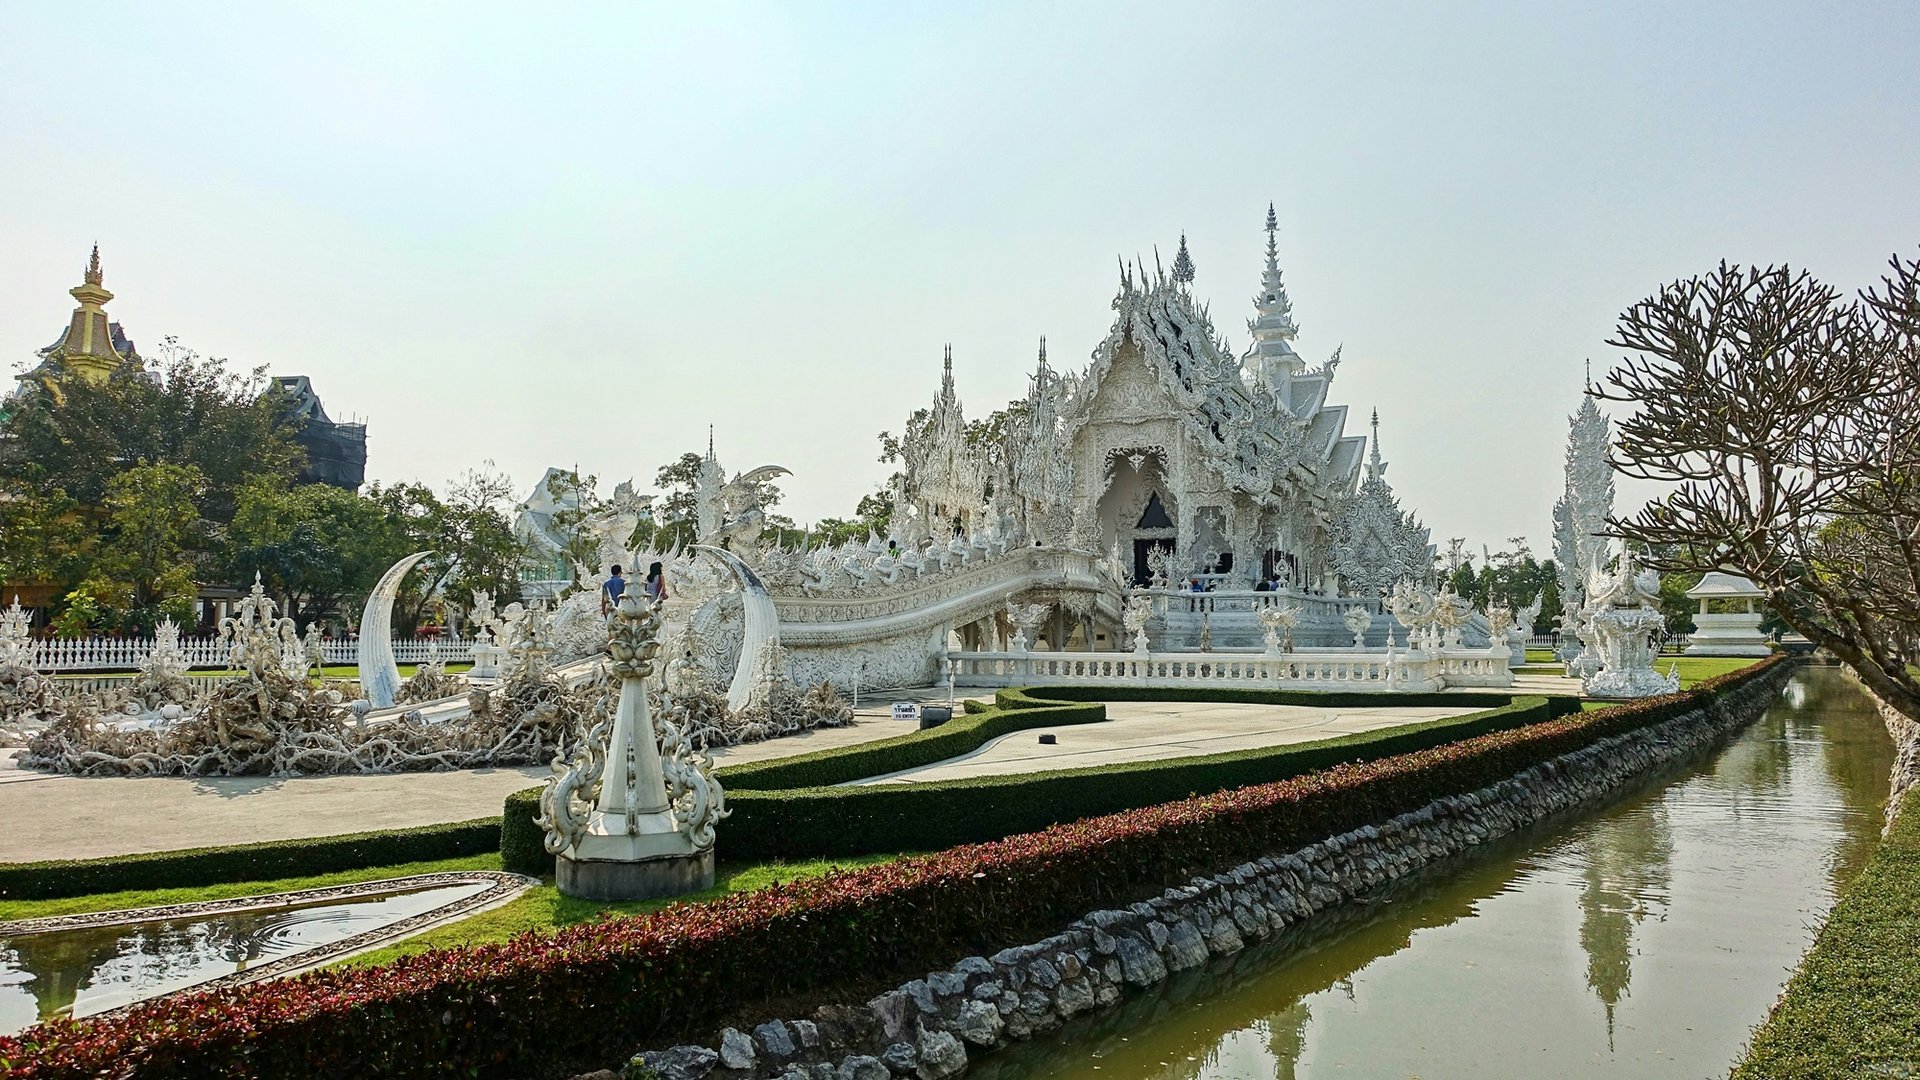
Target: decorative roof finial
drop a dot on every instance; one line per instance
(93, 265)
(1043, 350)
(1273, 245)
(1374, 465)
(946, 374)
(1183, 263)
(710, 456)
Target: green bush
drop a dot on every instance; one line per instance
(910, 751)
(246, 862)
(826, 821)
(522, 844)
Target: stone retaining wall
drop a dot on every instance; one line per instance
(930, 1028)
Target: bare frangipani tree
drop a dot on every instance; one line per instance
(1787, 417)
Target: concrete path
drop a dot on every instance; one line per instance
(1156, 730)
(46, 816)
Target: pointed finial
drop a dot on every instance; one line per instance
(93, 265)
(1374, 465)
(1043, 350)
(710, 456)
(1273, 245)
(1183, 263)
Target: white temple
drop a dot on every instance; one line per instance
(1239, 468)
(1171, 492)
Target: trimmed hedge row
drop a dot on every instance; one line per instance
(837, 821)
(789, 809)
(1853, 1007)
(546, 1005)
(247, 862)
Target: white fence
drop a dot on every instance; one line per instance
(125, 654)
(1308, 669)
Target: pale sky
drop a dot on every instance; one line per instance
(582, 236)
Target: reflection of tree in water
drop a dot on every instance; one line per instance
(1627, 875)
(1856, 756)
(61, 965)
(1287, 1038)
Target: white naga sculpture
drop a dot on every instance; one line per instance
(734, 509)
(1139, 612)
(1277, 624)
(632, 816)
(1026, 620)
(1359, 620)
(1622, 622)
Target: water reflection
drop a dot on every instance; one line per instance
(1643, 941)
(84, 971)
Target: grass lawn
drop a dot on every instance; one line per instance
(543, 908)
(540, 908)
(1853, 1007)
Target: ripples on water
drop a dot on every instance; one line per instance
(1643, 940)
(79, 972)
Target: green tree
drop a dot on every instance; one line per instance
(146, 561)
(320, 549)
(183, 409)
(676, 514)
(45, 535)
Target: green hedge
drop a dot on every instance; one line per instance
(792, 808)
(522, 844)
(1853, 1007)
(832, 821)
(247, 862)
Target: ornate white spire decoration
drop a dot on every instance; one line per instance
(1375, 543)
(1272, 357)
(1183, 264)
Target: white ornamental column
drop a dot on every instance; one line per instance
(638, 836)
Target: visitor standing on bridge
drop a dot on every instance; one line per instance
(612, 590)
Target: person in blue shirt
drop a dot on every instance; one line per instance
(611, 592)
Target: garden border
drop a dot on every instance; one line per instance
(264, 861)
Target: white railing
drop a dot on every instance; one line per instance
(1229, 600)
(126, 654)
(1306, 669)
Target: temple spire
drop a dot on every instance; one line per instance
(1273, 328)
(946, 375)
(93, 275)
(1183, 263)
(1273, 244)
(1375, 467)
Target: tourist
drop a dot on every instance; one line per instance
(612, 590)
(656, 583)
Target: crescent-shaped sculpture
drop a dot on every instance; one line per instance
(379, 674)
(762, 625)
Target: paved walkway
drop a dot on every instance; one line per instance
(46, 816)
(1154, 730)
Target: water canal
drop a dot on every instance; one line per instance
(1643, 940)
